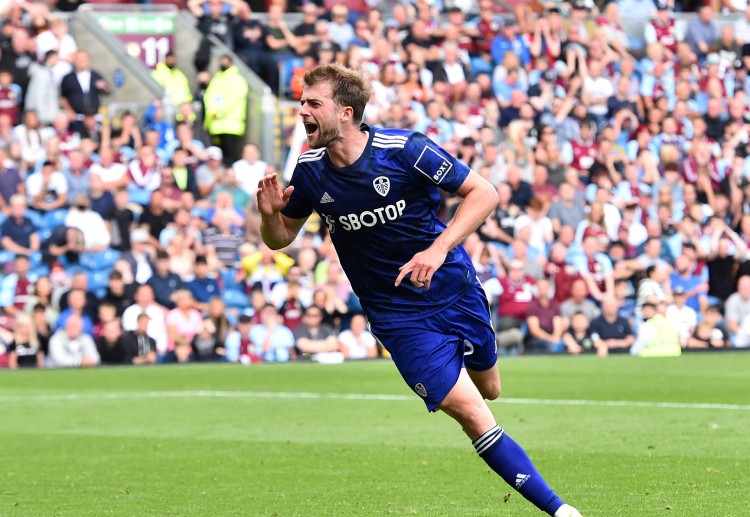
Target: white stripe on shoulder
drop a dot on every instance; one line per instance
(311, 156)
(387, 145)
(380, 136)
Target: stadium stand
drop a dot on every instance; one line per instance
(617, 135)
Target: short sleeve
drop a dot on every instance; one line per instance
(298, 206)
(431, 164)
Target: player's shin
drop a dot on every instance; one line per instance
(511, 463)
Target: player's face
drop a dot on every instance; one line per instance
(320, 115)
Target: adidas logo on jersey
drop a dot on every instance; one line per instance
(326, 198)
(521, 479)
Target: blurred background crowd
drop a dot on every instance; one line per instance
(621, 163)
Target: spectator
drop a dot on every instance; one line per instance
(514, 298)
(10, 181)
(18, 232)
(681, 316)
(578, 302)
(313, 336)
(238, 345)
(81, 89)
(737, 306)
(16, 288)
(545, 324)
(341, 30)
(41, 298)
(76, 305)
(47, 190)
(595, 268)
(578, 338)
(721, 260)
(141, 347)
(357, 342)
(652, 289)
(205, 345)
(164, 283)
(11, 97)
(145, 304)
(63, 245)
(226, 109)
(210, 173)
(119, 294)
(202, 287)
(173, 80)
(611, 332)
(111, 346)
(96, 236)
(182, 321)
(71, 347)
(57, 39)
(140, 257)
(43, 95)
(24, 350)
(702, 32)
(657, 337)
(250, 169)
(121, 221)
(223, 241)
(566, 210)
(271, 340)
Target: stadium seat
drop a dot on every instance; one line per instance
(229, 280)
(97, 261)
(6, 256)
(52, 220)
(234, 298)
(35, 259)
(40, 270)
(98, 280)
(35, 218)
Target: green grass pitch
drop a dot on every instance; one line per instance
(656, 438)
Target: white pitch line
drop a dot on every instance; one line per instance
(53, 397)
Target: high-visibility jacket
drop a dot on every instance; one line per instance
(225, 102)
(665, 341)
(174, 82)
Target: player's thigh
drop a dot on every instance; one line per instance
(465, 404)
(429, 361)
(469, 319)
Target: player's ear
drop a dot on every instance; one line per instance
(346, 113)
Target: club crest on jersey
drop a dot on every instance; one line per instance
(382, 185)
(421, 390)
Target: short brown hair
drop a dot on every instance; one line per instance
(349, 87)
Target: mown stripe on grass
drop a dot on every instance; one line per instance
(54, 397)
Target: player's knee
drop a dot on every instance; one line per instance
(492, 390)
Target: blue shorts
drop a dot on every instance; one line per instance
(430, 353)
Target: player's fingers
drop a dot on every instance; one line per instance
(287, 194)
(404, 270)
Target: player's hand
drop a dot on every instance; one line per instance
(422, 266)
(270, 197)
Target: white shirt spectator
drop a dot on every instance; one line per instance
(109, 174)
(357, 347)
(684, 319)
(32, 142)
(65, 46)
(742, 340)
(542, 231)
(599, 89)
(156, 329)
(34, 184)
(249, 174)
(95, 232)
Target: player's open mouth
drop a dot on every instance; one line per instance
(310, 128)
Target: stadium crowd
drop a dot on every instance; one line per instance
(621, 164)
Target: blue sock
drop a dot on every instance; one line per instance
(511, 463)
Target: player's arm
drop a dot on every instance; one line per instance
(479, 200)
(278, 231)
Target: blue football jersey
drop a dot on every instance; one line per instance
(380, 211)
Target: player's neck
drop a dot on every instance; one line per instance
(349, 148)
